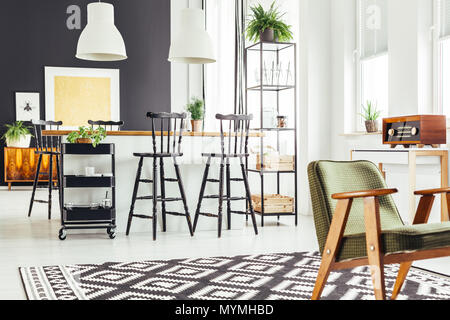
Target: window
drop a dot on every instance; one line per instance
(373, 59)
(220, 76)
(443, 57)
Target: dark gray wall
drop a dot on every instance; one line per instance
(34, 34)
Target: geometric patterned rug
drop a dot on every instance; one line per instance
(252, 277)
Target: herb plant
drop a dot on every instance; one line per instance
(370, 112)
(16, 131)
(261, 20)
(96, 135)
(196, 109)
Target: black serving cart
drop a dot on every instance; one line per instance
(270, 88)
(85, 217)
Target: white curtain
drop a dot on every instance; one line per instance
(220, 76)
(373, 24)
(444, 10)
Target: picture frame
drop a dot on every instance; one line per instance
(76, 95)
(27, 106)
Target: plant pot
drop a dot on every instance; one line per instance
(268, 35)
(371, 126)
(23, 142)
(84, 140)
(196, 125)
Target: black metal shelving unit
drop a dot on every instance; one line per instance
(81, 217)
(261, 48)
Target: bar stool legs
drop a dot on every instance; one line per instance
(155, 198)
(224, 167)
(50, 185)
(228, 177)
(183, 196)
(202, 192)
(35, 183)
(220, 199)
(249, 198)
(163, 194)
(135, 191)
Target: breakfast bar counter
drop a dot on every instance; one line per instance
(191, 164)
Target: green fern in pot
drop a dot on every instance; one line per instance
(267, 25)
(17, 135)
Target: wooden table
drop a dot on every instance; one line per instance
(410, 157)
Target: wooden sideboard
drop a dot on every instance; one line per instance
(21, 165)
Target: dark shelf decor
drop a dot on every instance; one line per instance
(85, 217)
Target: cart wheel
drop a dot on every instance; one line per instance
(62, 234)
(111, 232)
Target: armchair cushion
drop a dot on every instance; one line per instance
(397, 240)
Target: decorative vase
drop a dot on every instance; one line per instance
(22, 142)
(84, 140)
(196, 125)
(268, 35)
(371, 126)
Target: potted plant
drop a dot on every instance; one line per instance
(370, 115)
(87, 135)
(268, 25)
(18, 135)
(197, 111)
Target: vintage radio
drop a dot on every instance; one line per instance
(415, 130)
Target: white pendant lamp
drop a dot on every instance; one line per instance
(192, 45)
(100, 40)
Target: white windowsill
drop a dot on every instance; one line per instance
(361, 133)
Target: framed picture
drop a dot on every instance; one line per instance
(27, 106)
(76, 95)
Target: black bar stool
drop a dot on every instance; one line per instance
(47, 146)
(170, 150)
(237, 141)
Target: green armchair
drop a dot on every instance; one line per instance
(356, 228)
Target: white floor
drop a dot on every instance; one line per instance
(33, 242)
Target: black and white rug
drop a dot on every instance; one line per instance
(253, 277)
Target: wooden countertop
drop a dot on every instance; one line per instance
(146, 133)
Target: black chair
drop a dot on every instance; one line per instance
(106, 124)
(237, 141)
(47, 146)
(171, 125)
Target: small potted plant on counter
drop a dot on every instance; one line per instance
(18, 135)
(370, 115)
(268, 25)
(87, 135)
(197, 111)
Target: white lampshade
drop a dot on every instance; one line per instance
(100, 40)
(192, 45)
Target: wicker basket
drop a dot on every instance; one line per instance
(273, 203)
(276, 163)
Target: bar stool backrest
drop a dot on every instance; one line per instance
(235, 141)
(47, 143)
(170, 125)
(106, 124)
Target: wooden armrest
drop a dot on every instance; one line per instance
(431, 192)
(363, 194)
